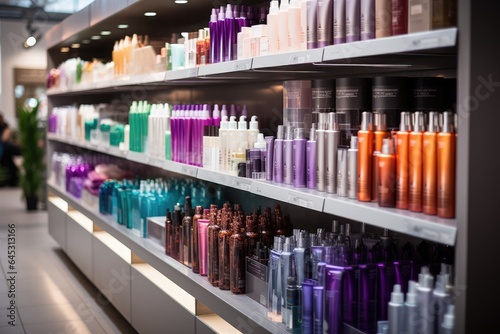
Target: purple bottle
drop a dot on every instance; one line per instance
(232, 111)
(311, 160)
(216, 117)
(278, 155)
(230, 34)
(299, 158)
(214, 41)
(221, 32)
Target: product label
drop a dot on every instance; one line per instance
(385, 92)
(257, 269)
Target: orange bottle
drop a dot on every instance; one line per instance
(387, 172)
(429, 170)
(446, 164)
(380, 133)
(365, 151)
(402, 156)
(415, 163)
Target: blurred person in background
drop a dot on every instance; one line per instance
(9, 173)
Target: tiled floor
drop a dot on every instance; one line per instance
(51, 295)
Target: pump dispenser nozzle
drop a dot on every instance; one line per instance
(242, 124)
(366, 121)
(405, 124)
(448, 122)
(253, 124)
(418, 121)
(380, 121)
(280, 134)
(333, 123)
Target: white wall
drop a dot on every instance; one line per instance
(14, 55)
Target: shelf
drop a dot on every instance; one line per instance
(239, 310)
(402, 52)
(415, 224)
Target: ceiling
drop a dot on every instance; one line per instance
(47, 11)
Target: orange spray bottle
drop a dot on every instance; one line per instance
(387, 175)
(365, 151)
(429, 170)
(379, 134)
(415, 162)
(402, 149)
(446, 167)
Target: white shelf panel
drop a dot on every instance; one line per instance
(391, 45)
(416, 224)
(181, 74)
(225, 179)
(226, 67)
(289, 58)
(239, 310)
(302, 197)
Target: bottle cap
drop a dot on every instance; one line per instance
(405, 124)
(280, 132)
(232, 110)
(253, 124)
(333, 123)
(229, 12)
(312, 134)
(433, 122)
(216, 111)
(224, 124)
(232, 125)
(244, 110)
(366, 121)
(354, 143)
(418, 121)
(380, 121)
(449, 317)
(223, 111)
(411, 295)
(396, 295)
(448, 122)
(213, 16)
(261, 142)
(284, 5)
(299, 133)
(242, 124)
(274, 8)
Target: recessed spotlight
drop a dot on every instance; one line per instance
(30, 41)
(105, 32)
(150, 14)
(75, 46)
(64, 49)
(181, 2)
(122, 26)
(86, 41)
(95, 37)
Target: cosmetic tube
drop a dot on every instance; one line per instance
(320, 153)
(402, 151)
(367, 298)
(203, 246)
(379, 133)
(287, 270)
(367, 19)
(399, 17)
(352, 21)
(293, 307)
(365, 152)
(299, 158)
(412, 323)
(448, 323)
(310, 21)
(273, 27)
(339, 21)
(383, 18)
(288, 156)
(214, 41)
(396, 311)
(318, 308)
(278, 156)
(332, 136)
(429, 169)
(317, 256)
(311, 160)
(425, 302)
(283, 33)
(446, 152)
(342, 172)
(307, 307)
(352, 169)
(415, 163)
(387, 175)
(302, 259)
(230, 31)
(324, 23)
(333, 301)
(195, 242)
(274, 282)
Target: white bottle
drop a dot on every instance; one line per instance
(242, 134)
(283, 35)
(272, 27)
(260, 143)
(223, 132)
(232, 140)
(295, 25)
(303, 24)
(253, 131)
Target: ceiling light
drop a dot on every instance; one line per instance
(64, 49)
(122, 26)
(95, 37)
(150, 14)
(105, 32)
(181, 2)
(86, 41)
(75, 46)
(30, 41)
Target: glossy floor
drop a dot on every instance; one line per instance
(51, 294)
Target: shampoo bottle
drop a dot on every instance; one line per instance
(273, 27)
(446, 160)
(429, 170)
(402, 150)
(365, 152)
(283, 34)
(415, 163)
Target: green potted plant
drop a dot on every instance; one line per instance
(32, 153)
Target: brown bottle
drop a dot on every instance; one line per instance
(224, 235)
(266, 235)
(280, 226)
(415, 166)
(365, 158)
(177, 233)
(187, 229)
(213, 248)
(251, 235)
(429, 171)
(237, 253)
(194, 243)
(169, 234)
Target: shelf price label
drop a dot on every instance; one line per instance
(299, 59)
(241, 184)
(188, 170)
(299, 200)
(242, 66)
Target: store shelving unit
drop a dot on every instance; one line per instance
(465, 51)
